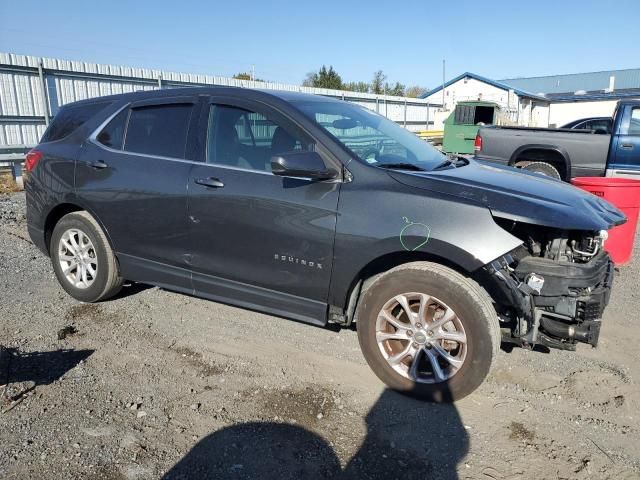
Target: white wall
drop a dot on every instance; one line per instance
(517, 110)
(539, 115)
(561, 113)
(470, 89)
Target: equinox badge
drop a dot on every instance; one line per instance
(299, 261)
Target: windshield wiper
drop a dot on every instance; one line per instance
(401, 166)
(456, 161)
(447, 163)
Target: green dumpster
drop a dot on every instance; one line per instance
(461, 127)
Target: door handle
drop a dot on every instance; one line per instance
(98, 165)
(627, 146)
(210, 182)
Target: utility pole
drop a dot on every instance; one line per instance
(443, 82)
(253, 72)
(385, 101)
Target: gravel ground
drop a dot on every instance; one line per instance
(155, 384)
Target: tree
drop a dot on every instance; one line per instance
(396, 90)
(309, 79)
(377, 84)
(324, 78)
(357, 87)
(415, 91)
(246, 76)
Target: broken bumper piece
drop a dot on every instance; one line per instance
(556, 304)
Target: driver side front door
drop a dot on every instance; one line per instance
(259, 240)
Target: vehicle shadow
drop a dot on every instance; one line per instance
(38, 368)
(131, 288)
(405, 438)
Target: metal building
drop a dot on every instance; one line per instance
(579, 95)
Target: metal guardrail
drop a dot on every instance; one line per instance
(13, 156)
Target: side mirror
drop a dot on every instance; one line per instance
(301, 164)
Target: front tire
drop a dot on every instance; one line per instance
(83, 260)
(428, 331)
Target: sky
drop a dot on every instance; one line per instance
(283, 40)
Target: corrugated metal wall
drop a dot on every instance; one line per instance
(32, 90)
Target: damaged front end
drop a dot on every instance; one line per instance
(552, 290)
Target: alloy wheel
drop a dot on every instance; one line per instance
(421, 338)
(78, 258)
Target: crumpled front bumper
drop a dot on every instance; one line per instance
(568, 308)
(577, 290)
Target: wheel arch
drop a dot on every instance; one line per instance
(383, 263)
(552, 154)
(62, 209)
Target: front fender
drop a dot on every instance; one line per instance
(414, 223)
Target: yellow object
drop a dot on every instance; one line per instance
(430, 133)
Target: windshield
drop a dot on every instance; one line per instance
(371, 137)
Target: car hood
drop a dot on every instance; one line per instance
(520, 196)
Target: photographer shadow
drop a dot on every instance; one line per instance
(405, 438)
(37, 368)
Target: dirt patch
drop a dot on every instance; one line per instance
(297, 392)
(107, 473)
(305, 406)
(12, 209)
(195, 359)
(83, 311)
(8, 185)
(595, 388)
(521, 433)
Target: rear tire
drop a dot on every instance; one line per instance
(454, 357)
(542, 168)
(83, 260)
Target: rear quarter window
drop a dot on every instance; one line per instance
(70, 118)
(113, 134)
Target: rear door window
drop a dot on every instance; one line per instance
(159, 130)
(598, 125)
(634, 124)
(70, 118)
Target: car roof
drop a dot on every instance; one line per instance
(573, 123)
(248, 93)
(592, 118)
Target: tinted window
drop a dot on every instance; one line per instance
(634, 125)
(159, 130)
(244, 139)
(69, 118)
(600, 125)
(113, 134)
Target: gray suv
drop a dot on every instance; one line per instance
(324, 212)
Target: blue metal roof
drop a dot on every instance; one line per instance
(573, 82)
(520, 92)
(615, 95)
